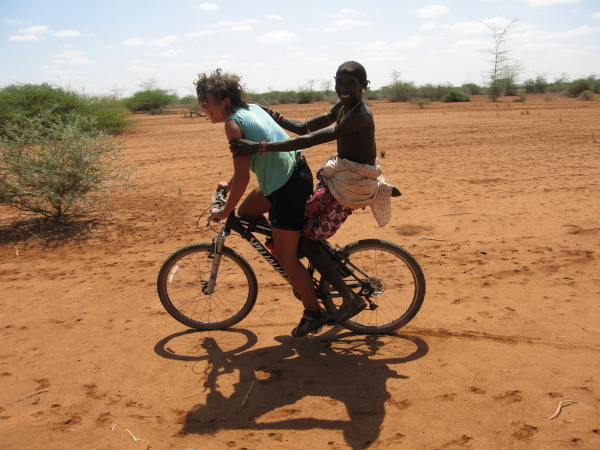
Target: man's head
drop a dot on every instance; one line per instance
(355, 69)
(220, 88)
(350, 82)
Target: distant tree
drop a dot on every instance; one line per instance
(499, 58)
(326, 85)
(153, 100)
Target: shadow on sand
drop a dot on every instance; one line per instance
(339, 365)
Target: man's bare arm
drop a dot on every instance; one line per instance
(308, 126)
(351, 125)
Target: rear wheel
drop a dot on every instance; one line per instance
(396, 286)
(184, 275)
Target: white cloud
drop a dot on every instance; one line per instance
(274, 17)
(432, 11)
(164, 41)
(200, 33)
(206, 7)
(25, 37)
(237, 26)
(277, 37)
(14, 22)
(133, 42)
(340, 25)
(34, 33)
(540, 34)
(69, 54)
(596, 16)
(430, 25)
(36, 29)
(460, 28)
(82, 61)
(242, 27)
(547, 2)
(67, 33)
(172, 53)
(346, 12)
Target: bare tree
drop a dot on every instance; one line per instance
(326, 84)
(148, 85)
(502, 64)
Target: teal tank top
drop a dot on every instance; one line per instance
(272, 169)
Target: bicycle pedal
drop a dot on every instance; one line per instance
(316, 330)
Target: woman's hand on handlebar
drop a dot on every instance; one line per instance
(217, 214)
(224, 186)
(241, 147)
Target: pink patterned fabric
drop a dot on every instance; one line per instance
(323, 215)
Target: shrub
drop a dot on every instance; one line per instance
(537, 86)
(150, 99)
(578, 86)
(25, 101)
(586, 95)
(51, 166)
(471, 89)
(434, 92)
(400, 91)
(274, 97)
(420, 102)
(455, 96)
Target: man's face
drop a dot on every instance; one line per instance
(348, 88)
(216, 111)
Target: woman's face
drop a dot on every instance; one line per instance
(216, 111)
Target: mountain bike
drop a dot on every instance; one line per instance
(210, 286)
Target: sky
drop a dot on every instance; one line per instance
(115, 46)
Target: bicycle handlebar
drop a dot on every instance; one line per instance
(219, 201)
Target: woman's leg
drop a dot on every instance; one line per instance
(286, 246)
(255, 205)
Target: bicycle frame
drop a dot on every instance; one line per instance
(245, 228)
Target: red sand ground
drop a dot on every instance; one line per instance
(508, 195)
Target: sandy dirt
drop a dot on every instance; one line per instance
(500, 206)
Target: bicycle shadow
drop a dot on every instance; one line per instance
(337, 364)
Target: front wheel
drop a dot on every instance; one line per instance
(397, 286)
(186, 272)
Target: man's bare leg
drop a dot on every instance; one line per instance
(352, 302)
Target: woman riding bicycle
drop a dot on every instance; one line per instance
(284, 182)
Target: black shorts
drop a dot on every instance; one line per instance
(288, 202)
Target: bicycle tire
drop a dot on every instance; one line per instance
(183, 276)
(400, 286)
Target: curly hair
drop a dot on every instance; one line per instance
(221, 85)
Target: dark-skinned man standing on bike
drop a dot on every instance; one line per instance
(349, 180)
(285, 182)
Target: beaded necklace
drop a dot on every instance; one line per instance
(346, 115)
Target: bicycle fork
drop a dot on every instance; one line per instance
(210, 286)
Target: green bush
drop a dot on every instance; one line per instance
(274, 97)
(471, 89)
(537, 86)
(433, 92)
(25, 101)
(455, 96)
(578, 86)
(586, 95)
(400, 91)
(420, 102)
(150, 99)
(51, 166)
